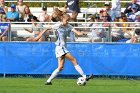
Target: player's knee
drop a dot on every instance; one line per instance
(73, 60)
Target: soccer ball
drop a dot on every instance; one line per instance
(81, 81)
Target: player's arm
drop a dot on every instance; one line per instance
(41, 33)
(78, 32)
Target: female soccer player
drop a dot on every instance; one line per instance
(63, 28)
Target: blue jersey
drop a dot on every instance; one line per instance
(3, 27)
(62, 32)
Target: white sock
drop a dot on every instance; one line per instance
(53, 75)
(79, 69)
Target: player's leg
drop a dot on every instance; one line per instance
(74, 61)
(77, 67)
(57, 70)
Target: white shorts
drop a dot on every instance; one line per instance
(60, 51)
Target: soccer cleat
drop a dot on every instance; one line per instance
(89, 77)
(48, 83)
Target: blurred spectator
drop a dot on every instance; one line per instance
(27, 14)
(116, 33)
(137, 17)
(12, 15)
(129, 6)
(63, 9)
(138, 2)
(1, 13)
(4, 29)
(105, 19)
(101, 12)
(56, 15)
(136, 37)
(131, 15)
(124, 19)
(116, 7)
(20, 8)
(36, 29)
(106, 16)
(43, 16)
(137, 24)
(92, 19)
(109, 10)
(74, 8)
(3, 8)
(97, 30)
(128, 32)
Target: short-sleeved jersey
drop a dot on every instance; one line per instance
(73, 5)
(62, 32)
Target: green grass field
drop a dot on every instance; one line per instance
(36, 85)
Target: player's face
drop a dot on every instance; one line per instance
(65, 20)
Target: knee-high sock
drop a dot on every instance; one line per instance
(53, 75)
(79, 69)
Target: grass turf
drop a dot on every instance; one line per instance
(36, 85)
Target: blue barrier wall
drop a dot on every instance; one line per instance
(97, 58)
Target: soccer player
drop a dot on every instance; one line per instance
(63, 28)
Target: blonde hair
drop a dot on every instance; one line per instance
(65, 15)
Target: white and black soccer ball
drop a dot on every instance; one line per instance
(81, 81)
